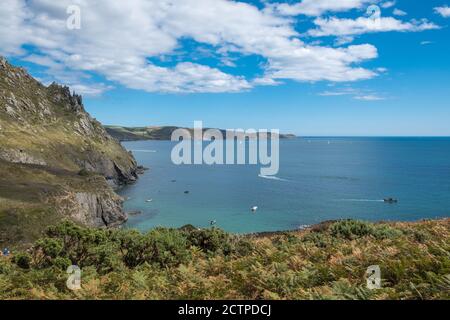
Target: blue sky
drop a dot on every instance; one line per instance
(307, 67)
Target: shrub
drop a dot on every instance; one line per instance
(351, 229)
(318, 239)
(210, 240)
(61, 263)
(421, 236)
(243, 247)
(385, 232)
(166, 247)
(51, 248)
(354, 229)
(23, 260)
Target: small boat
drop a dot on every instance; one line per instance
(390, 200)
(254, 209)
(149, 200)
(213, 222)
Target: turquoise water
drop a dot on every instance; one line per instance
(319, 179)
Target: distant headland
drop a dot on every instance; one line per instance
(157, 132)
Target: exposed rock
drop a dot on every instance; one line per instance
(141, 169)
(135, 213)
(20, 156)
(48, 127)
(92, 209)
(57, 118)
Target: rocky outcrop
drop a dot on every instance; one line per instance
(97, 210)
(20, 156)
(49, 127)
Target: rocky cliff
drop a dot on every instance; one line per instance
(51, 148)
(49, 126)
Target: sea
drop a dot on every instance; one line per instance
(319, 179)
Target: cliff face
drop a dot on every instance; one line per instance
(49, 126)
(56, 161)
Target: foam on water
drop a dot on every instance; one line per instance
(272, 178)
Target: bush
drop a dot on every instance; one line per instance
(166, 247)
(354, 229)
(78, 242)
(318, 239)
(23, 260)
(243, 248)
(385, 232)
(351, 229)
(211, 240)
(61, 263)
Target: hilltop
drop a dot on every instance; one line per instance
(56, 161)
(157, 133)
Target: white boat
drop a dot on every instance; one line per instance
(149, 200)
(254, 209)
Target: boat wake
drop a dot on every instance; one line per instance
(272, 178)
(145, 151)
(361, 200)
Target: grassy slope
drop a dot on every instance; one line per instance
(55, 136)
(48, 129)
(326, 262)
(154, 133)
(26, 191)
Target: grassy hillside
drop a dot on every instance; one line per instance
(49, 126)
(140, 133)
(32, 197)
(56, 161)
(328, 261)
(155, 133)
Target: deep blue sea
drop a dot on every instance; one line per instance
(319, 179)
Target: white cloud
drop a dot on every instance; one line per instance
(398, 12)
(388, 4)
(341, 92)
(12, 14)
(369, 97)
(443, 11)
(91, 90)
(126, 51)
(319, 7)
(349, 27)
(357, 94)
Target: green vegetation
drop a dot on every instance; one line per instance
(33, 197)
(328, 261)
(54, 159)
(140, 133)
(156, 133)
